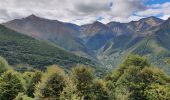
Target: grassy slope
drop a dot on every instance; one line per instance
(18, 48)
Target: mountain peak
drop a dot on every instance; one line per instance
(166, 24)
(152, 17)
(32, 17)
(97, 23)
(169, 19)
(152, 20)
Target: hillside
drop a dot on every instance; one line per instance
(21, 49)
(152, 43)
(58, 33)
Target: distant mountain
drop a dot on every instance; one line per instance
(154, 44)
(144, 24)
(134, 26)
(95, 35)
(119, 28)
(21, 49)
(53, 31)
(128, 34)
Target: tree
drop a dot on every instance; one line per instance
(70, 92)
(52, 84)
(132, 60)
(134, 76)
(99, 90)
(167, 60)
(135, 60)
(22, 96)
(3, 65)
(157, 92)
(35, 79)
(10, 85)
(83, 77)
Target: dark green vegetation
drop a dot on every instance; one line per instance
(134, 79)
(20, 49)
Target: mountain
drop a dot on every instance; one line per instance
(134, 26)
(154, 44)
(53, 31)
(128, 34)
(21, 49)
(119, 28)
(144, 24)
(95, 35)
(108, 43)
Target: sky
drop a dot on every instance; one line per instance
(85, 11)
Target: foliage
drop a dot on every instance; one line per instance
(10, 85)
(83, 78)
(88, 86)
(35, 79)
(70, 92)
(158, 92)
(134, 76)
(3, 65)
(134, 79)
(52, 83)
(22, 96)
(167, 61)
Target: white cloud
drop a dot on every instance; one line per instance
(156, 10)
(77, 11)
(165, 17)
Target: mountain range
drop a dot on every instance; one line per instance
(108, 43)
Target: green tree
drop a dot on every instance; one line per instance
(99, 90)
(52, 84)
(34, 79)
(10, 85)
(83, 77)
(70, 92)
(157, 92)
(22, 96)
(133, 76)
(3, 65)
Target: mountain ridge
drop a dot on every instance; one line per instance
(108, 42)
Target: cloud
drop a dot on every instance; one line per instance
(125, 8)
(156, 10)
(77, 11)
(165, 17)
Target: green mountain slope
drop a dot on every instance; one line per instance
(21, 49)
(61, 34)
(154, 44)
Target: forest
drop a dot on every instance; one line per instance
(134, 79)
